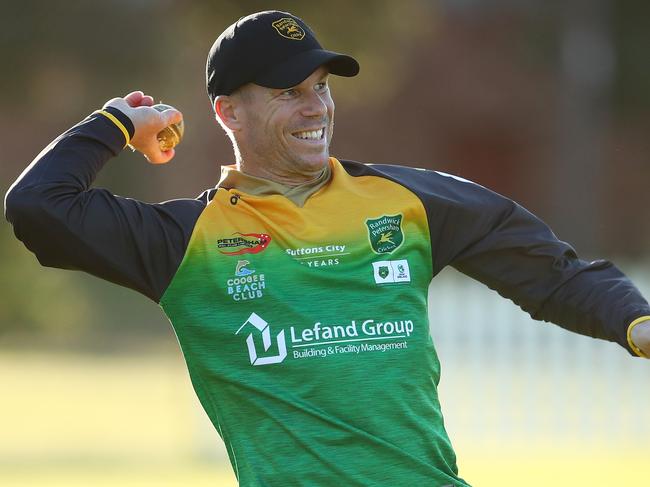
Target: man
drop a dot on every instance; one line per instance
(298, 286)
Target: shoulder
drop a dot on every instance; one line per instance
(188, 206)
(432, 187)
(406, 175)
(183, 213)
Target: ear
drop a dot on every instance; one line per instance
(225, 109)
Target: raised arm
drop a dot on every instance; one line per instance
(68, 224)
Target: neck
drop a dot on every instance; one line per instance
(286, 179)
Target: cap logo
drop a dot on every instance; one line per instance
(289, 28)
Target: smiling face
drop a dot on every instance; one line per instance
(284, 134)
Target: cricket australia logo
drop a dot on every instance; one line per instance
(263, 327)
(289, 28)
(385, 233)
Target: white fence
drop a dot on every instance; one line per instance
(507, 377)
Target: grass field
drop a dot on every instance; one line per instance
(86, 420)
(532, 469)
(119, 475)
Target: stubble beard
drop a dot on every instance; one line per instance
(305, 168)
(294, 167)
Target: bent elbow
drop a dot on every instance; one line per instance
(20, 206)
(15, 204)
(30, 214)
(35, 225)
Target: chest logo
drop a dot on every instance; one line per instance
(244, 243)
(385, 233)
(262, 328)
(247, 284)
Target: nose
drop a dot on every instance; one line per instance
(314, 105)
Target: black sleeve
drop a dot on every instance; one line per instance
(497, 242)
(68, 225)
(494, 240)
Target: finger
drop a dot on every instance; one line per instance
(134, 98)
(146, 101)
(169, 154)
(171, 116)
(161, 157)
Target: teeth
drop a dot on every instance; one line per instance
(310, 134)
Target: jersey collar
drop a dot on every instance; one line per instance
(232, 178)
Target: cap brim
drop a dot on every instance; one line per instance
(296, 69)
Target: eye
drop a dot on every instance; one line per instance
(322, 86)
(289, 93)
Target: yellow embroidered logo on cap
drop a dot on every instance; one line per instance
(289, 28)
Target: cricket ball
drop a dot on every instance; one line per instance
(171, 135)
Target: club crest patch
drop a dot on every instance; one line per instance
(289, 28)
(383, 271)
(385, 233)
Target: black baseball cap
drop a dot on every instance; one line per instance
(272, 49)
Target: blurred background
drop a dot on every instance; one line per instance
(545, 102)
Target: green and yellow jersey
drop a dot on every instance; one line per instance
(302, 312)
